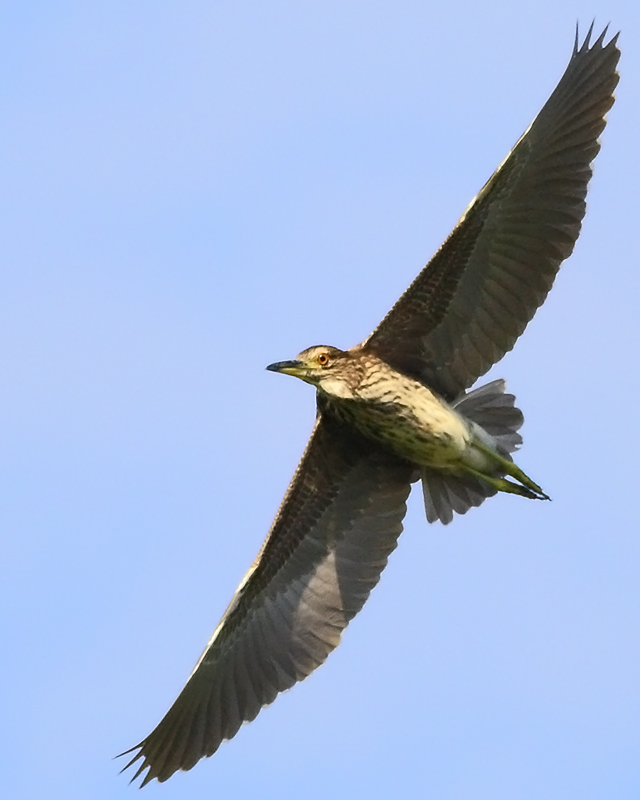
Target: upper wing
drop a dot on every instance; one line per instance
(468, 306)
(339, 521)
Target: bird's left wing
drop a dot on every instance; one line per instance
(338, 522)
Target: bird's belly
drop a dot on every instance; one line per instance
(425, 431)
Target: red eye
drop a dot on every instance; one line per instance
(323, 359)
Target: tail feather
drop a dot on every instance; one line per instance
(494, 411)
(445, 493)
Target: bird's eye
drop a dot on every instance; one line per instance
(323, 359)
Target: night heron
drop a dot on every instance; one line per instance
(393, 410)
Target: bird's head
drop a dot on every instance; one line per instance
(329, 369)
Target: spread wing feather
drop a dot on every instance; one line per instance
(338, 522)
(468, 306)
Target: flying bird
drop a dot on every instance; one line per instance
(394, 410)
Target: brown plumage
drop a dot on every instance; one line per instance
(342, 513)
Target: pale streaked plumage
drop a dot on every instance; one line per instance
(342, 514)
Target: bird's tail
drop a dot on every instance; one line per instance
(494, 412)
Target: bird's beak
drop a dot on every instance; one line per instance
(287, 367)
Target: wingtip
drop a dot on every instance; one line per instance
(148, 777)
(599, 42)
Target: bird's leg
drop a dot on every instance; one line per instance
(534, 491)
(503, 485)
(519, 475)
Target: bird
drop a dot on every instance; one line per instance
(394, 410)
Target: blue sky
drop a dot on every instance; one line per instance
(190, 191)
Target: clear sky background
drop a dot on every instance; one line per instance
(192, 190)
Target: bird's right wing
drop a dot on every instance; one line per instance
(468, 306)
(339, 521)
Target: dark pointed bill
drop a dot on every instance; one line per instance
(287, 367)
